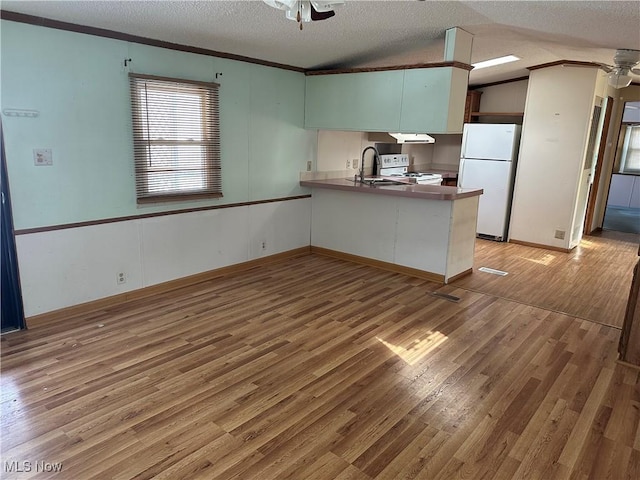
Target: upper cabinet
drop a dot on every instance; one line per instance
(433, 100)
(364, 101)
(420, 100)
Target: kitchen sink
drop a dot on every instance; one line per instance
(384, 181)
(381, 181)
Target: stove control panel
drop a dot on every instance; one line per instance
(394, 160)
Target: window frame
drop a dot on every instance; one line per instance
(210, 133)
(631, 130)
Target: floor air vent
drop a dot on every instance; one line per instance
(492, 271)
(446, 296)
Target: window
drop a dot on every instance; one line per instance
(630, 162)
(176, 138)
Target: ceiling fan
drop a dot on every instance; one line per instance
(618, 75)
(304, 11)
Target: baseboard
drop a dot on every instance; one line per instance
(392, 267)
(539, 245)
(101, 303)
(627, 364)
(469, 271)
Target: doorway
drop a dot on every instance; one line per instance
(622, 212)
(12, 316)
(597, 164)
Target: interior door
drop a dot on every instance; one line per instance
(12, 316)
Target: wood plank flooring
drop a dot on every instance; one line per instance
(316, 368)
(590, 282)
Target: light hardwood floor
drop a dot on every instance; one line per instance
(316, 368)
(590, 282)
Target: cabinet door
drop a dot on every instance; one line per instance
(433, 100)
(366, 101)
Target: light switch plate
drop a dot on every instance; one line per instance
(42, 156)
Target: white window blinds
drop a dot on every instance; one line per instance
(630, 162)
(176, 138)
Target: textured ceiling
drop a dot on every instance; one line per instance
(371, 33)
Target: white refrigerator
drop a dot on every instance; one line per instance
(488, 161)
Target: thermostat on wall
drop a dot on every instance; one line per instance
(42, 156)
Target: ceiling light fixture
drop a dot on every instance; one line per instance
(495, 61)
(619, 74)
(619, 77)
(304, 11)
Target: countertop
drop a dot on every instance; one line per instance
(412, 190)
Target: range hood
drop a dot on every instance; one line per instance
(413, 138)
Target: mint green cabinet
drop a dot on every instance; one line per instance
(433, 100)
(421, 100)
(366, 101)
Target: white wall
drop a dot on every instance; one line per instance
(442, 155)
(447, 151)
(335, 148)
(505, 97)
(555, 130)
(67, 267)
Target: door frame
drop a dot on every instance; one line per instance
(593, 191)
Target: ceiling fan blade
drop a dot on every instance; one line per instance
(316, 15)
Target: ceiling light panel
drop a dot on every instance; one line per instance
(495, 61)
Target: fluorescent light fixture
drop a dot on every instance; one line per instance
(495, 61)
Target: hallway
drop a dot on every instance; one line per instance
(590, 282)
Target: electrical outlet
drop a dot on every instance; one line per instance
(348, 164)
(354, 163)
(263, 245)
(560, 234)
(121, 278)
(309, 166)
(42, 156)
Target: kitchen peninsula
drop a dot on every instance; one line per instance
(423, 230)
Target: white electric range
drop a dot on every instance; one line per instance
(397, 165)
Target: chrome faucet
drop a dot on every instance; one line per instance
(375, 159)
